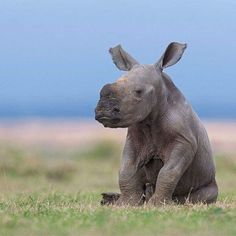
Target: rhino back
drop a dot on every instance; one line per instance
(184, 123)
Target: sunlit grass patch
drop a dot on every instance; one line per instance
(41, 194)
(56, 213)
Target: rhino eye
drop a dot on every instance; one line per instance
(138, 92)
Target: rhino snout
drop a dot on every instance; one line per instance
(107, 114)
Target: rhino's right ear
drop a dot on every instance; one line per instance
(172, 55)
(122, 59)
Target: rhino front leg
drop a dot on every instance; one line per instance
(133, 192)
(132, 189)
(180, 158)
(132, 179)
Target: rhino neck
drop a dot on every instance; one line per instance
(150, 135)
(160, 104)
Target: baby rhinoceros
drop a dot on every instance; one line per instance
(167, 155)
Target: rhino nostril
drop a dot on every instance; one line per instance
(116, 110)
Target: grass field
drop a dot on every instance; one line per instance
(48, 190)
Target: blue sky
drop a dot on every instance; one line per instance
(54, 54)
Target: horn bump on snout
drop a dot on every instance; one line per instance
(106, 90)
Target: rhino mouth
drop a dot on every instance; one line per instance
(107, 121)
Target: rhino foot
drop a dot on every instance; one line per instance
(109, 198)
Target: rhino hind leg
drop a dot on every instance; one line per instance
(207, 194)
(109, 198)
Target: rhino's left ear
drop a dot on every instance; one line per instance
(122, 59)
(172, 55)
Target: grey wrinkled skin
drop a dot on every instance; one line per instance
(167, 155)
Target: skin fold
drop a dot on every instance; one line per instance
(167, 155)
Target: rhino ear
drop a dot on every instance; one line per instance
(172, 55)
(122, 59)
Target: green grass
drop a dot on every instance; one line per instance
(57, 192)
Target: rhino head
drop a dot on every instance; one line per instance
(133, 97)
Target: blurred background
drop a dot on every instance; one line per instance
(54, 60)
(54, 54)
